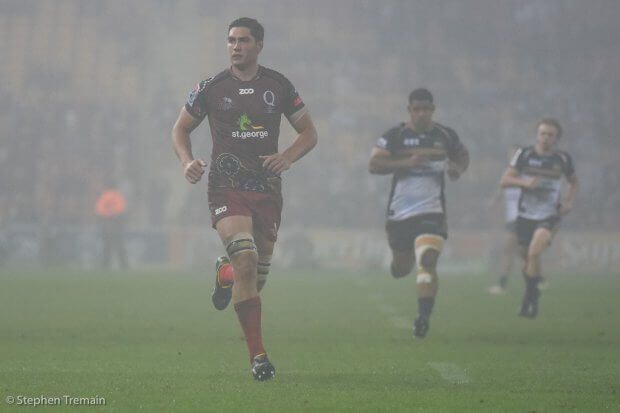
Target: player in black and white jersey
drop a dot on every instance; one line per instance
(538, 171)
(418, 153)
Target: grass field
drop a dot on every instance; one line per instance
(340, 341)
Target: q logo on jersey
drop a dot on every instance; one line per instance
(249, 91)
(269, 98)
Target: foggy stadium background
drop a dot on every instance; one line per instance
(90, 90)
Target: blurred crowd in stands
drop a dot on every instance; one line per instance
(104, 109)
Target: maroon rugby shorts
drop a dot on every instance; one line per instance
(264, 208)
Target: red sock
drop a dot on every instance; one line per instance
(226, 275)
(249, 312)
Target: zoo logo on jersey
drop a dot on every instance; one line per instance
(248, 129)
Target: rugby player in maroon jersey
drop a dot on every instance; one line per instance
(244, 105)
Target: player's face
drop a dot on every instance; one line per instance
(421, 112)
(547, 136)
(243, 49)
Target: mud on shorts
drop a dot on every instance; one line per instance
(402, 234)
(264, 208)
(526, 227)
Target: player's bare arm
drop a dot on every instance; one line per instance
(567, 203)
(382, 162)
(193, 169)
(305, 141)
(511, 178)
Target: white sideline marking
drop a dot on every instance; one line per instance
(450, 372)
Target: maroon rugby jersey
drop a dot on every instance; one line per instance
(244, 117)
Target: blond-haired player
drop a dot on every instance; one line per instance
(538, 170)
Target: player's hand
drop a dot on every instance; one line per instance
(453, 174)
(453, 171)
(565, 208)
(193, 170)
(275, 163)
(532, 183)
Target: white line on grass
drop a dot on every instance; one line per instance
(450, 372)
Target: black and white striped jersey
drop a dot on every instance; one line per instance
(542, 202)
(421, 189)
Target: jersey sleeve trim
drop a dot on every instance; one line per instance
(515, 161)
(381, 143)
(294, 117)
(292, 103)
(189, 110)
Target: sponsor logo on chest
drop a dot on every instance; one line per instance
(249, 129)
(535, 162)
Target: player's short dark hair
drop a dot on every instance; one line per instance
(551, 122)
(420, 94)
(255, 27)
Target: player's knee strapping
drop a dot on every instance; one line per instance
(264, 263)
(239, 243)
(427, 250)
